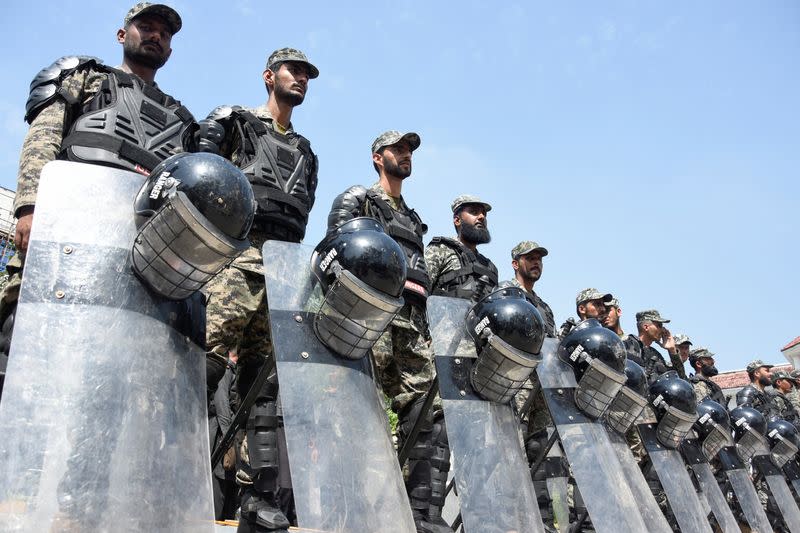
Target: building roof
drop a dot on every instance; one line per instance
(795, 342)
(738, 378)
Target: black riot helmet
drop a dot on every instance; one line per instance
(713, 427)
(675, 407)
(784, 440)
(508, 332)
(630, 402)
(749, 432)
(597, 356)
(193, 214)
(361, 271)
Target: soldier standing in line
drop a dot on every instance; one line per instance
(650, 325)
(702, 362)
(794, 395)
(526, 260)
(282, 170)
(455, 266)
(403, 355)
(683, 344)
(783, 384)
(753, 395)
(612, 322)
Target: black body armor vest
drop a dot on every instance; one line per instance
(283, 172)
(716, 391)
(128, 124)
(407, 229)
(475, 279)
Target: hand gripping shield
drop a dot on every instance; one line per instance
(103, 415)
(344, 469)
(493, 481)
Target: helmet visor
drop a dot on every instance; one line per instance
(625, 409)
(752, 443)
(716, 439)
(500, 370)
(673, 426)
(597, 388)
(783, 451)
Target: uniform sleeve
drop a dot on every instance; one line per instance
(677, 364)
(700, 391)
(346, 206)
(434, 260)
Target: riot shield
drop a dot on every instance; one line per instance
(743, 490)
(792, 471)
(492, 477)
(780, 491)
(697, 461)
(103, 416)
(683, 499)
(595, 466)
(345, 473)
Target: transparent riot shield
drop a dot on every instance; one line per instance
(683, 499)
(780, 490)
(743, 490)
(492, 476)
(792, 471)
(103, 415)
(697, 461)
(345, 473)
(609, 500)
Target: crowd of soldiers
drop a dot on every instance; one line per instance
(63, 111)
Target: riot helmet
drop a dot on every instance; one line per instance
(713, 427)
(784, 440)
(675, 407)
(193, 215)
(597, 356)
(508, 332)
(361, 271)
(749, 432)
(630, 402)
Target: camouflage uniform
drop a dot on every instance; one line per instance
(781, 402)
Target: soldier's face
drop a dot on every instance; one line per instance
(146, 41)
(593, 309)
(683, 351)
(784, 385)
(529, 265)
(289, 83)
(395, 160)
(471, 224)
(611, 320)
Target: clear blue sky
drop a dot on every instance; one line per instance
(652, 147)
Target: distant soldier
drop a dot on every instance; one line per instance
(455, 266)
(753, 395)
(651, 328)
(526, 260)
(702, 362)
(683, 344)
(794, 396)
(612, 322)
(783, 384)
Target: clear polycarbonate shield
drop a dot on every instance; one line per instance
(609, 500)
(492, 476)
(743, 490)
(764, 465)
(103, 415)
(345, 473)
(686, 506)
(558, 489)
(694, 455)
(648, 507)
(792, 471)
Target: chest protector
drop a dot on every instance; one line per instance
(476, 277)
(407, 229)
(283, 172)
(128, 124)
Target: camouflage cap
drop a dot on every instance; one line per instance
(165, 12)
(613, 302)
(755, 364)
(652, 315)
(591, 293)
(781, 374)
(526, 247)
(291, 54)
(388, 138)
(795, 374)
(680, 338)
(465, 199)
(699, 353)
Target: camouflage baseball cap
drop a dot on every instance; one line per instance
(469, 199)
(592, 294)
(165, 12)
(526, 247)
(698, 353)
(613, 302)
(652, 315)
(755, 364)
(680, 338)
(795, 374)
(388, 138)
(781, 374)
(291, 54)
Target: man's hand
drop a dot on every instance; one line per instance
(666, 341)
(23, 232)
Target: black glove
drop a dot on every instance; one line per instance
(208, 137)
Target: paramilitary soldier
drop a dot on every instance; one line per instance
(650, 325)
(794, 395)
(753, 395)
(282, 169)
(702, 362)
(402, 354)
(455, 266)
(78, 108)
(783, 384)
(612, 322)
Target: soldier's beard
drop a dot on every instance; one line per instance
(143, 56)
(709, 371)
(395, 171)
(285, 95)
(764, 382)
(473, 234)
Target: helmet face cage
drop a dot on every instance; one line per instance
(625, 409)
(178, 250)
(501, 369)
(673, 424)
(783, 450)
(353, 315)
(597, 387)
(716, 439)
(751, 443)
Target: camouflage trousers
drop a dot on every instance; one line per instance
(10, 292)
(538, 417)
(404, 358)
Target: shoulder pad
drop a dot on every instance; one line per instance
(358, 191)
(447, 241)
(221, 112)
(46, 83)
(746, 395)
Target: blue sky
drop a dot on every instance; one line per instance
(653, 148)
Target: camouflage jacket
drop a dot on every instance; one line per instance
(705, 388)
(783, 407)
(443, 261)
(541, 305)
